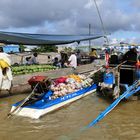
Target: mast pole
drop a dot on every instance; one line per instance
(89, 35)
(102, 24)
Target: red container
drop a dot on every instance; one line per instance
(35, 79)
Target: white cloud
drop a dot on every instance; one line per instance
(89, 4)
(135, 3)
(69, 16)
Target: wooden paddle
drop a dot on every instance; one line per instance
(95, 71)
(23, 102)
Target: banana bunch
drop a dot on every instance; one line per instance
(75, 77)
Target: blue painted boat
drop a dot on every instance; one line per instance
(115, 83)
(128, 78)
(45, 104)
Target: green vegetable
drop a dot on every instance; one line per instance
(31, 69)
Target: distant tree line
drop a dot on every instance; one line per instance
(45, 48)
(41, 48)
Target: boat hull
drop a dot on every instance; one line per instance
(35, 111)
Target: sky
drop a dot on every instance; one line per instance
(120, 18)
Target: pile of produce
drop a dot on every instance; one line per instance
(65, 85)
(18, 70)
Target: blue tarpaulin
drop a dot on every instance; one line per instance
(11, 48)
(43, 39)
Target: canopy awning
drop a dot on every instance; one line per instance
(43, 39)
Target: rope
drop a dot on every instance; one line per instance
(102, 24)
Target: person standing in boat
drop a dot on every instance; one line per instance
(64, 59)
(107, 57)
(73, 60)
(5, 71)
(78, 54)
(114, 59)
(93, 55)
(131, 56)
(138, 67)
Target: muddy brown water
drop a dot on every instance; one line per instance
(123, 123)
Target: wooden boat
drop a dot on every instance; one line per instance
(117, 79)
(43, 104)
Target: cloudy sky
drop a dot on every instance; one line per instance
(120, 17)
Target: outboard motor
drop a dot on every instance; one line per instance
(106, 87)
(109, 78)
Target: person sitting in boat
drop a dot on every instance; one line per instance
(28, 60)
(5, 71)
(56, 62)
(33, 60)
(130, 57)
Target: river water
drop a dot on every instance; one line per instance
(68, 123)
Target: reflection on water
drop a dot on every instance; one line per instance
(68, 123)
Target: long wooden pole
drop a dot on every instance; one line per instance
(95, 71)
(23, 102)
